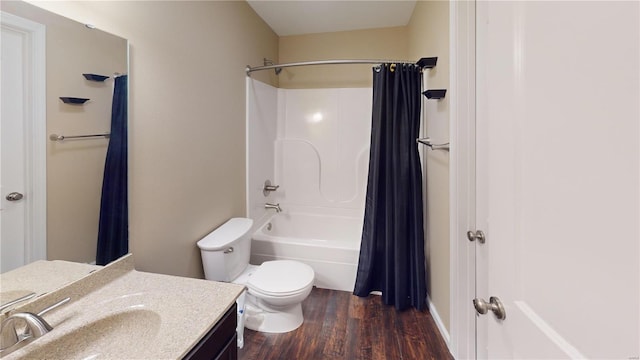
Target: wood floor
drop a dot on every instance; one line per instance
(339, 325)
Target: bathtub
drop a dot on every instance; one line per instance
(329, 244)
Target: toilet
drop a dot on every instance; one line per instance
(275, 289)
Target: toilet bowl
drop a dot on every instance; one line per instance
(275, 289)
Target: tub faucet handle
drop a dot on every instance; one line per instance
(269, 188)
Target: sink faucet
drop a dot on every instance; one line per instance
(276, 207)
(34, 327)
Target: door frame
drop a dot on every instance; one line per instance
(35, 136)
(462, 39)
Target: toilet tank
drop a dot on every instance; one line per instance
(226, 250)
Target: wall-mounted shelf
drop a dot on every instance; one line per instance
(427, 63)
(435, 93)
(95, 77)
(73, 100)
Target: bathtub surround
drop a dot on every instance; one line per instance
(392, 248)
(113, 231)
(261, 133)
(314, 144)
(322, 149)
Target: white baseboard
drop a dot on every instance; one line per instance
(439, 323)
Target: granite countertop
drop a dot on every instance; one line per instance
(119, 312)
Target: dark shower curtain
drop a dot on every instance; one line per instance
(113, 232)
(392, 249)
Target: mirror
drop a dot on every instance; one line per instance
(74, 167)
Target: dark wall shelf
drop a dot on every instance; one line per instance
(95, 77)
(435, 93)
(73, 100)
(427, 63)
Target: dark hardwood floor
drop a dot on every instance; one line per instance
(339, 325)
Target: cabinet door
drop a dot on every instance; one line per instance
(220, 341)
(230, 352)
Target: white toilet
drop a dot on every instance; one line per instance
(276, 289)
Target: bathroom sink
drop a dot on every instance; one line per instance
(131, 331)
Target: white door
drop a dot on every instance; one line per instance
(22, 125)
(558, 187)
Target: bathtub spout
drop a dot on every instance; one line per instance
(276, 207)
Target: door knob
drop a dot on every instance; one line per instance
(476, 235)
(494, 304)
(14, 196)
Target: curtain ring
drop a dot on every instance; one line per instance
(377, 68)
(392, 67)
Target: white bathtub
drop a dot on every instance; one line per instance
(329, 244)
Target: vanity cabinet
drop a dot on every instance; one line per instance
(220, 343)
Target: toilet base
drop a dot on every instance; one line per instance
(278, 322)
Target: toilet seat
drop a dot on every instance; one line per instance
(268, 281)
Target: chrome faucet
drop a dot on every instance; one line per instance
(276, 207)
(34, 326)
(269, 188)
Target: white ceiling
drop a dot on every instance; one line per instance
(296, 17)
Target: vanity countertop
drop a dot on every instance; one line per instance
(119, 312)
(41, 277)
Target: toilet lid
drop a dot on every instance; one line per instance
(281, 277)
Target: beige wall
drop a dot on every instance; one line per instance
(384, 43)
(429, 36)
(75, 168)
(186, 117)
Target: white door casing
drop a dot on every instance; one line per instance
(22, 142)
(558, 184)
(462, 177)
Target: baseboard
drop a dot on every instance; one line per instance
(439, 323)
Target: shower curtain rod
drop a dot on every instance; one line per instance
(250, 69)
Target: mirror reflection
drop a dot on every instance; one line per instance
(74, 168)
